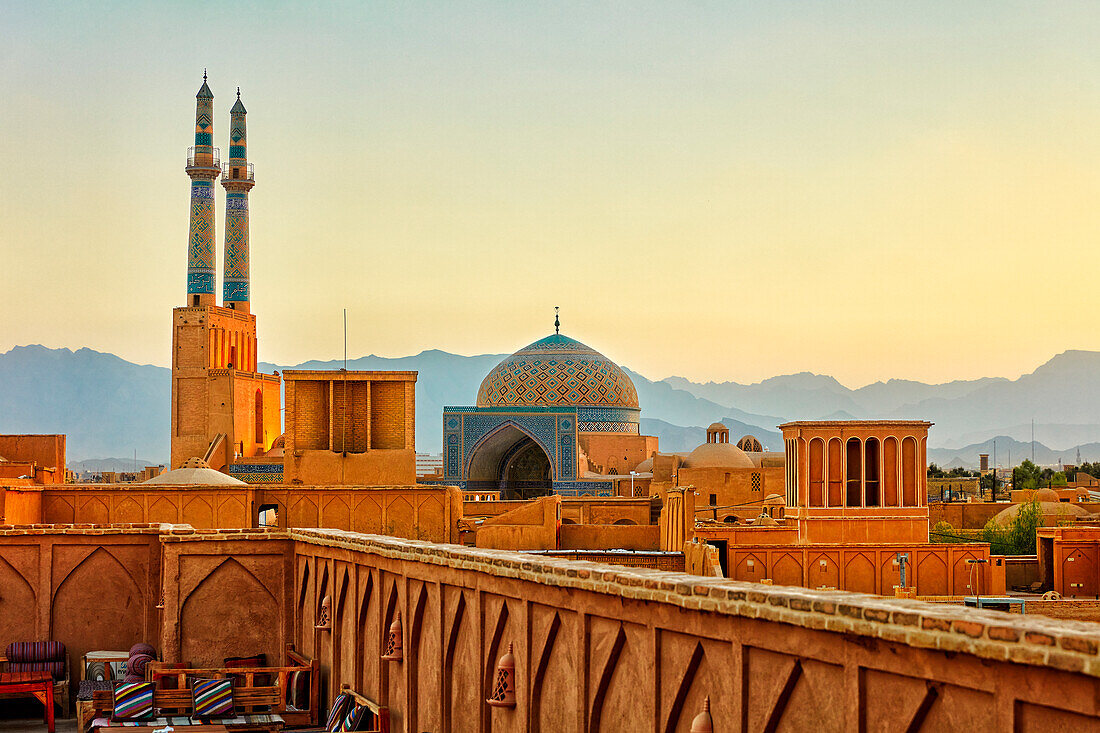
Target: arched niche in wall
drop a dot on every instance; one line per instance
(230, 613)
(17, 604)
(98, 605)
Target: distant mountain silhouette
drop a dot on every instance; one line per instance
(107, 406)
(111, 407)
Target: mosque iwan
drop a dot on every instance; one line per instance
(291, 569)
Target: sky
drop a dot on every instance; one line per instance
(721, 191)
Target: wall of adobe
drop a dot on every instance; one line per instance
(595, 646)
(964, 515)
(609, 536)
(739, 488)
(599, 647)
(371, 468)
(935, 570)
(613, 453)
(47, 451)
(20, 506)
(416, 512)
(90, 588)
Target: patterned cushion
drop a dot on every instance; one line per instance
(57, 669)
(133, 700)
(356, 715)
(143, 648)
(36, 651)
(137, 664)
(86, 688)
(338, 712)
(212, 698)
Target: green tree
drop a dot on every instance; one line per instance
(943, 533)
(999, 539)
(1059, 479)
(1029, 517)
(1026, 476)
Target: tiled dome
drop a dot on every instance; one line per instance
(557, 371)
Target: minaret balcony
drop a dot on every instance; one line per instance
(203, 158)
(242, 172)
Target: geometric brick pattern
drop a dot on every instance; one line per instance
(557, 371)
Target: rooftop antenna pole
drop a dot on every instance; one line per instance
(1033, 440)
(344, 410)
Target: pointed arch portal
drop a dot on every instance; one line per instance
(510, 461)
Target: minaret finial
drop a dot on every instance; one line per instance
(238, 92)
(204, 74)
(557, 323)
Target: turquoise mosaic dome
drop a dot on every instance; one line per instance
(557, 371)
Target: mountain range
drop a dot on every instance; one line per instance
(111, 407)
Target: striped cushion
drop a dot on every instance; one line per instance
(355, 716)
(36, 651)
(338, 712)
(212, 698)
(133, 700)
(57, 669)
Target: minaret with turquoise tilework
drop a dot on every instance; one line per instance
(203, 167)
(237, 179)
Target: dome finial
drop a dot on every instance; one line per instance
(204, 75)
(238, 92)
(557, 323)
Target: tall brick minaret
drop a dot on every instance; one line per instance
(203, 167)
(238, 181)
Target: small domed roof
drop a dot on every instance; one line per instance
(1046, 495)
(718, 455)
(1049, 509)
(557, 370)
(195, 472)
(645, 466)
(717, 426)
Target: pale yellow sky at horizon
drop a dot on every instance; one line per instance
(716, 191)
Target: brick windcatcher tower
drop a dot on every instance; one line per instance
(203, 167)
(237, 181)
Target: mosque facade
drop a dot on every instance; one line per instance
(556, 417)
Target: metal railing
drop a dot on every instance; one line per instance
(238, 171)
(204, 159)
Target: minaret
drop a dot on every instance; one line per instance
(238, 181)
(203, 167)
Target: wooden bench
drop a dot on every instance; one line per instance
(256, 706)
(281, 677)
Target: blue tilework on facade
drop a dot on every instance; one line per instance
(608, 414)
(200, 282)
(603, 489)
(257, 473)
(235, 290)
(553, 429)
(609, 427)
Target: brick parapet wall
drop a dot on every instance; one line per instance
(1072, 646)
(1067, 645)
